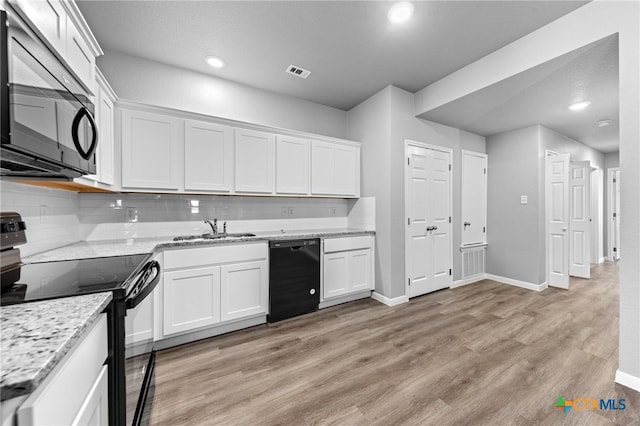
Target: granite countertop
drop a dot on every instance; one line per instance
(37, 335)
(131, 246)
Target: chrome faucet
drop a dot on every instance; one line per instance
(214, 225)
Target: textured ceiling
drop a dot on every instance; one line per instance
(349, 46)
(541, 95)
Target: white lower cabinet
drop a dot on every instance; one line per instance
(347, 266)
(243, 290)
(210, 286)
(75, 392)
(95, 410)
(191, 299)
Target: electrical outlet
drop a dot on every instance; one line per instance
(523, 199)
(44, 214)
(291, 211)
(130, 214)
(285, 211)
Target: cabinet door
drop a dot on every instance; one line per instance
(243, 290)
(254, 161)
(208, 156)
(49, 18)
(335, 275)
(151, 150)
(346, 170)
(80, 57)
(105, 158)
(191, 299)
(139, 323)
(359, 267)
(95, 409)
(292, 165)
(322, 168)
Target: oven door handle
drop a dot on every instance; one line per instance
(144, 287)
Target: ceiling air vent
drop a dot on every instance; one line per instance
(297, 71)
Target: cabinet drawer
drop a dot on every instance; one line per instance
(60, 397)
(224, 253)
(347, 243)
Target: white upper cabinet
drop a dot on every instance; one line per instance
(346, 170)
(208, 156)
(49, 19)
(152, 150)
(335, 169)
(62, 26)
(79, 56)
(105, 121)
(292, 165)
(254, 161)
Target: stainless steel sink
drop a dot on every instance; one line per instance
(213, 236)
(239, 235)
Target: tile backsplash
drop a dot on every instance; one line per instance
(56, 218)
(52, 216)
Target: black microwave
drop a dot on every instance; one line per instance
(48, 129)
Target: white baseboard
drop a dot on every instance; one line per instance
(388, 301)
(602, 260)
(517, 283)
(468, 280)
(628, 380)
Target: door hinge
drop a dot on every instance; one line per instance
(484, 229)
(485, 171)
(449, 271)
(408, 161)
(409, 280)
(615, 249)
(449, 167)
(614, 180)
(614, 215)
(408, 221)
(449, 219)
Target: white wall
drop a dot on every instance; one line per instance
(159, 84)
(591, 22)
(382, 123)
(404, 125)
(513, 229)
(612, 159)
(369, 123)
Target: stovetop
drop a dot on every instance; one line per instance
(48, 280)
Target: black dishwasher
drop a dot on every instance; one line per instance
(294, 278)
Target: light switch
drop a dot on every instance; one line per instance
(130, 214)
(523, 199)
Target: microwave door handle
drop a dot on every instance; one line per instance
(82, 112)
(147, 288)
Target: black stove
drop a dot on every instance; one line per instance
(130, 279)
(49, 280)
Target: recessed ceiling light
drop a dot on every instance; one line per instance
(604, 123)
(400, 12)
(580, 105)
(214, 61)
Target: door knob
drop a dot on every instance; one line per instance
(564, 229)
(467, 224)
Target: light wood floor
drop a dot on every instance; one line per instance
(486, 353)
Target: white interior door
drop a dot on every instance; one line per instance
(597, 219)
(474, 197)
(428, 247)
(616, 215)
(579, 222)
(557, 219)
